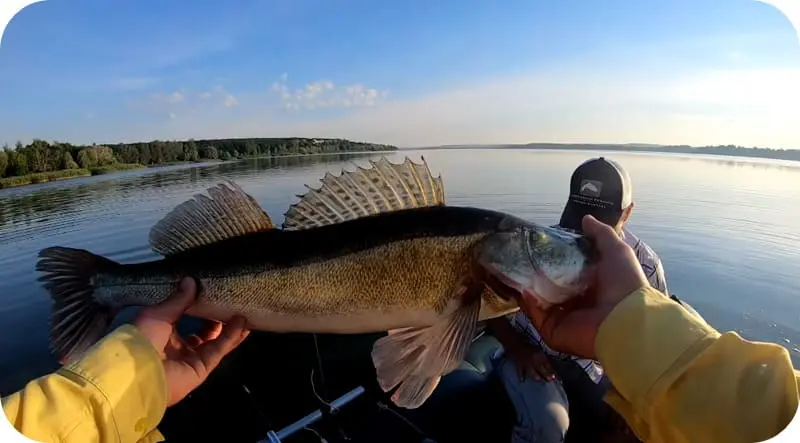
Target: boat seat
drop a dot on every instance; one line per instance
(479, 355)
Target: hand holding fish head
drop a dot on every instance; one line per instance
(573, 326)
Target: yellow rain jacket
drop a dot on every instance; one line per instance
(667, 367)
(678, 380)
(116, 392)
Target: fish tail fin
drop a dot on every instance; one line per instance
(417, 358)
(77, 319)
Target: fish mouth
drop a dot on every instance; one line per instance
(503, 286)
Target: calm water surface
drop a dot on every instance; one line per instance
(726, 229)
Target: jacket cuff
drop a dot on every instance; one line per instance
(127, 371)
(659, 333)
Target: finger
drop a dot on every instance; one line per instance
(194, 341)
(210, 331)
(547, 372)
(533, 374)
(174, 346)
(543, 374)
(545, 321)
(602, 234)
(172, 309)
(521, 372)
(212, 352)
(533, 311)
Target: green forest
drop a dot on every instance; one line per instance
(42, 161)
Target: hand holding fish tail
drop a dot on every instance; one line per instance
(187, 362)
(572, 327)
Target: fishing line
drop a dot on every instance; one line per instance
(321, 438)
(319, 364)
(383, 406)
(331, 408)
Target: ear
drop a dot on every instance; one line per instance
(626, 214)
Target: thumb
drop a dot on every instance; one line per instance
(173, 308)
(603, 235)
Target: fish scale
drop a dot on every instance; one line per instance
(375, 249)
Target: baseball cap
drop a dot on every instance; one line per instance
(599, 187)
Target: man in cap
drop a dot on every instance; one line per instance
(602, 188)
(538, 379)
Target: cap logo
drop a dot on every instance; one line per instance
(591, 188)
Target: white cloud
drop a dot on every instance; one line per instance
(746, 107)
(325, 94)
(175, 97)
(184, 103)
(159, 100)
(229, 101)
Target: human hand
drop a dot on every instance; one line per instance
(187, 362)
(572, 327)
(532, 362)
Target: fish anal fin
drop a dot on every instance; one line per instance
(414, 359)
(226, 212)
(415, 390)
(381, 187)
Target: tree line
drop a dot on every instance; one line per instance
(42, 157)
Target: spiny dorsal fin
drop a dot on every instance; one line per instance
(383, 187)
(229, 212)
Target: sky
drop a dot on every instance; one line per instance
(411, 73)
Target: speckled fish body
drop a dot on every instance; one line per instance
(378, 273)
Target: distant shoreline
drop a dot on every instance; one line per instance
(83, 173)
(43, 162)
(722, 151)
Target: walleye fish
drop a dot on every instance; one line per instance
(371, 250)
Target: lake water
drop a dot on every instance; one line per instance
(726, 229)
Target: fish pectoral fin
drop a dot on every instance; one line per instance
(382, 187)
(417, 358)
(228, 212)
(494, 306)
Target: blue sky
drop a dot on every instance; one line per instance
(410, 73)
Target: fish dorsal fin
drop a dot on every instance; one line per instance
(226, 212)
(382, 187)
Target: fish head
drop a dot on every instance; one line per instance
(551, 265)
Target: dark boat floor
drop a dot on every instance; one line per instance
(266, 385)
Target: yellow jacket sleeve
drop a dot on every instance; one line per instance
(116, 392)
(676, 379)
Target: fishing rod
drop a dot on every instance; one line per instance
(303, 423)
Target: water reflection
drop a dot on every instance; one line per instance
(20, 210)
